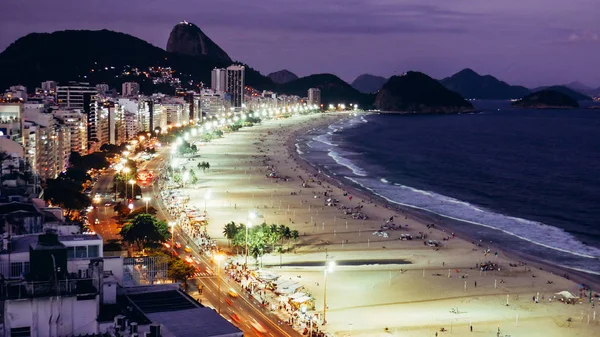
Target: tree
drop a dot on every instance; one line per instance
(66, 193)
(180, 271)
(204, 166)
(193, 177)
(145, 230)
(231, 230)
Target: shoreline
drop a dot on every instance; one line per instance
(444, 223)
(434, 280)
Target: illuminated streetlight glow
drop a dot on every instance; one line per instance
(328, 269)
(251, 216)
(147, 199)
(218, 258)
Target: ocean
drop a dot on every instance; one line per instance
(527, 180)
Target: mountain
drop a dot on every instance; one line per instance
(333, 90)
(282, 76)
(368, 84)
(470, 84)
(417, 92)
(188, 39)
(567, 91)
(104, 57)
(546, 99)
(580, 87)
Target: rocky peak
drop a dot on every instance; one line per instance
(282, 76)
(188, 39)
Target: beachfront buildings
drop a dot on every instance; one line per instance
(314, 96)
(80, 96)
(235, 85)
(217, 80)
(76, 121)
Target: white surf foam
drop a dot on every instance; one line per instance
(298, 149)
(535, 232)
(347, 163)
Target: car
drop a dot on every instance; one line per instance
(257, 327)
(177, 244)
(234, 317)
(233, 293)
(189, 260)
(108, 204)
(187, 249)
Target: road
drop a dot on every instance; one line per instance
(107, 228)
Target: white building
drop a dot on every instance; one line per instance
(235, 85)
(218, 80)
(81, 96)
(130, 89)
(314, 96)
(11, 121)
(76, 121)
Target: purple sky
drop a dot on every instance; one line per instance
(529, 42)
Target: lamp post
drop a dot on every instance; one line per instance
(218, 258)
(126, 170)
(206, 197)
(172, 225)
(146, 199)
(251, 216)
(328, 269)
(132, 182)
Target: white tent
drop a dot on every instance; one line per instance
(566, 295)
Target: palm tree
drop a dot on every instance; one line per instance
(294, 235)
(230, 231)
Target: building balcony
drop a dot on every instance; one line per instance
(14, 290)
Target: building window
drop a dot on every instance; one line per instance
(94, 251)
(80, 252)
(20, 332)
(70, 252)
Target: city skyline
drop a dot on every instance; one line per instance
(545, 44)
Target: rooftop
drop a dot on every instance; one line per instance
(179, 313)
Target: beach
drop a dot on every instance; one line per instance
(407, 286)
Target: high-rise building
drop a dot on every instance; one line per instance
(11, 121)
(314, 96)
(81, 96)
(218, 79)
(235, 85)
(76, 121)
(111, 124)
(130, 89)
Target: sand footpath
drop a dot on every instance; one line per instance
(413, 288)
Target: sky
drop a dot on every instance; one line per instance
(527, 42)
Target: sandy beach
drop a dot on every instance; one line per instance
(379, 282)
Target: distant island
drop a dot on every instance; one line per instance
(547, 99)
(415, 92)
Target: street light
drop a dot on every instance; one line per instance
(218, 258)
(146, 199)
(328, 269)
(172, 225)
(132, 182)
(251, 216)
(206, 197)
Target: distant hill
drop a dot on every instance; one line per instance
(368, 84)
(417, 92)
(333, 90)
(580, 87)
(546, 99)
(471, 85)
(567, 91)
(103, 57)
(282, 76)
